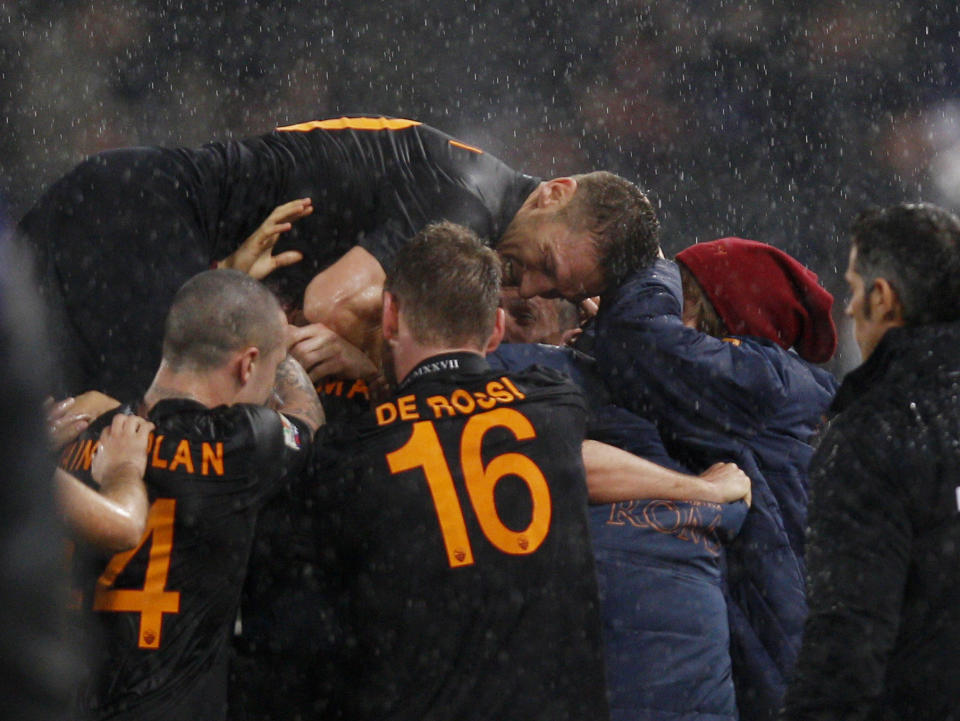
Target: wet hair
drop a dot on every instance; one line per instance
(446, 282)
(216, 313)
(708, 320)
(622, 221)
(916, 248)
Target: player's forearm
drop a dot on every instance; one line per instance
(614, 475)
(296, 396)
(113, 519)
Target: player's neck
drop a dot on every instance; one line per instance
(206, 388)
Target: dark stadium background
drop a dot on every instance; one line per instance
(772, 120)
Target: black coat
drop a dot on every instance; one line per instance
(882, 640)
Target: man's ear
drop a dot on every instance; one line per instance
(556, 193)
(499, 328)
(885, 302)
(391, 316)
(245, 364)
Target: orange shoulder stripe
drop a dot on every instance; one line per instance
(380, 123)
(458, 144)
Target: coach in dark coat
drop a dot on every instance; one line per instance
(883, 636)
(741, 397)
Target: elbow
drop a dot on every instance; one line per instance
(128, 523)
(352, 317)
(125, 534)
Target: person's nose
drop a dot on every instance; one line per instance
(533, 284)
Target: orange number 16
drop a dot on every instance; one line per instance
(151, 601)
(423, 450)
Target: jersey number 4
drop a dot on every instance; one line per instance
(151, 601)
(423, 450)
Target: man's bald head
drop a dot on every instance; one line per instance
(216, 313)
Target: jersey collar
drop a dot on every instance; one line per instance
(170, 406)
(461, 362)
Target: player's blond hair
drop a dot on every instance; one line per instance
(621, 220)
(447, 284)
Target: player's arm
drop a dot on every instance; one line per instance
(294, 395)
(614, 475)
(255, 255)
(114, 518)
(347, 298)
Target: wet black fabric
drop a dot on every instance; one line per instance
(286, 625)
(209, 473)
(120, 233)
(456, 548)
(883, 637)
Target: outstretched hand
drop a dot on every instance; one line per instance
(731, 483)
(255, 255)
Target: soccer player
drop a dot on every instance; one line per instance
(118, 234)
(454, 517)
(165, 609)
(283, 633)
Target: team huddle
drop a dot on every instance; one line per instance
(365, 447)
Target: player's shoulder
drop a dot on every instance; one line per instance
(188, 417)
(541, 380)
(238, 426)
(371, 128)
(241, 441)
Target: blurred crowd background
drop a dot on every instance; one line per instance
(771, 120)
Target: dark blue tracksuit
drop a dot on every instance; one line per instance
(740, 399)
(659, 570)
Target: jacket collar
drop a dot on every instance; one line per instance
(915, 350)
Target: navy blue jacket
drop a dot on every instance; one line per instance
(666, 640)
(740, 399)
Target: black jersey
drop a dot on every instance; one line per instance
(121, 232)
(165, 610)
(285, 626)
(454, 532)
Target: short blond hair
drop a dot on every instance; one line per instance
(621, 220)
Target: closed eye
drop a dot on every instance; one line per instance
(511, 272)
